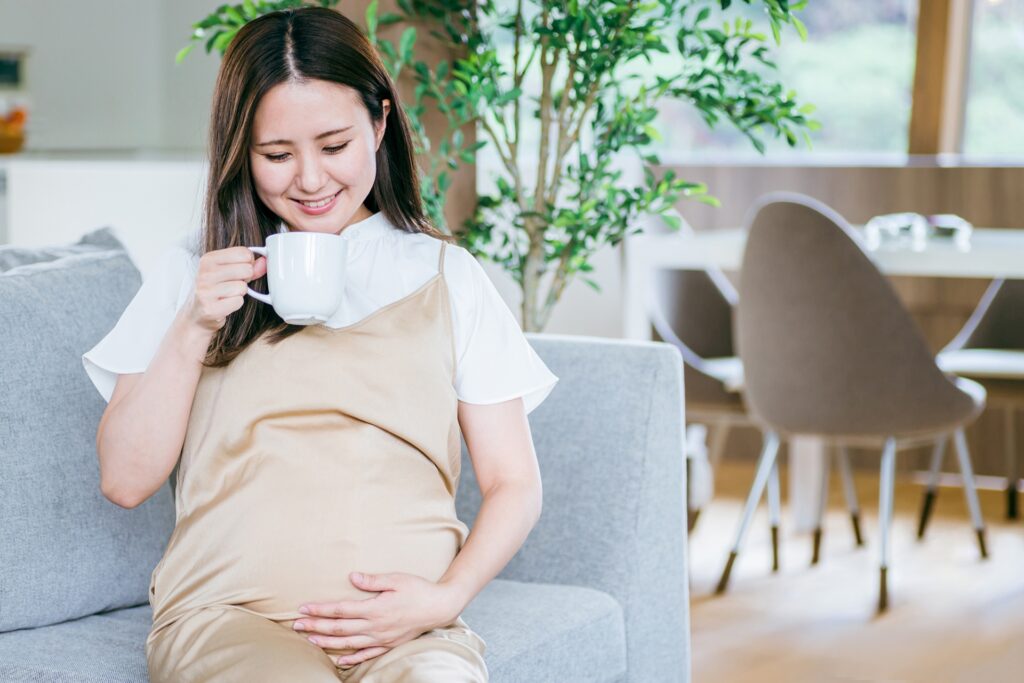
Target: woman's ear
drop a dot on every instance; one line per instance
(386, 106)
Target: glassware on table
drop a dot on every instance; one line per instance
(914, 230)
(951, 226)
(897, 229)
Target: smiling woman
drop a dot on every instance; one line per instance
(316, 536)
(307, 173)
(320, 121)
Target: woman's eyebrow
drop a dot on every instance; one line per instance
(288, 142)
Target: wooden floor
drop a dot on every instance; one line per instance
(953, 617)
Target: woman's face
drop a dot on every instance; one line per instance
(315, 141)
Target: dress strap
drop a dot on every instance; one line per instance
(440, 259)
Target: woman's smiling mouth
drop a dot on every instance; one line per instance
(315, 208)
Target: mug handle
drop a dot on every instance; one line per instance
(265, 298)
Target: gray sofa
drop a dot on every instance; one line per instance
(598, 592)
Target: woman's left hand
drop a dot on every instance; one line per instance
(405, 607)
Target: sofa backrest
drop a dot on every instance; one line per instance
(609, 443)
(65, 550)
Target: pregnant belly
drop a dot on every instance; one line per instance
(268, 545)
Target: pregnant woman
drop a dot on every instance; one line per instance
(316, 537)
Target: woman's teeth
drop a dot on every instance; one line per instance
(322, 202)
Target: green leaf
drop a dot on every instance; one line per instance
(672, 220)
(236, 17)
(800, 28)
(707, 199)
(212, 40)
(444, 181)
(371, 18)
(182, 52)
(405, 44)
(208, 22)
(223, 40)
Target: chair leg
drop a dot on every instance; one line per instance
(822, 505)
(691, 519)
(885, 496)
(691, 513)
(938, 453)
(765, 465)
(970, 492)
(850, 493)
(716, 442)
(774, 512)
(1010, 415)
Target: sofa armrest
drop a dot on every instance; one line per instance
(609, 441)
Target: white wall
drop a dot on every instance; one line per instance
(187, 88)
(581, 310)
(150, 204)
(91, 71)
(101, 75)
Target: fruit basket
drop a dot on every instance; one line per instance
(12, 130)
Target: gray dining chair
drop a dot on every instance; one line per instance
(693, 310)
(696, 305)
(990, 349)
(829, 351)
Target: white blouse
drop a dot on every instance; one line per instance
(495, 362)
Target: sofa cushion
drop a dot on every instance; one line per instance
(102, 648)
(101, 239)
(534, 632)
(66, 550)
(547, 632)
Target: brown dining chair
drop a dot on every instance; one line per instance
(829, 351)
(693, 310)
(989, 348)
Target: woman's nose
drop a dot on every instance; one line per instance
(312, 175)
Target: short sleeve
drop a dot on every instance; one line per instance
(494, 360)
(132, 343)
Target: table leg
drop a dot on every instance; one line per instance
(806, 461)
(636, 322)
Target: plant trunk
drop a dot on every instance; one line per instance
(533, 318)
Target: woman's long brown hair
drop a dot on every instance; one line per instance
(294, 46)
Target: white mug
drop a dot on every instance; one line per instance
(305, 275)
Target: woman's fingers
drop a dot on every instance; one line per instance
(259, 268)
(361, 656)
(349, 609)
(345, 643)
(333, 627)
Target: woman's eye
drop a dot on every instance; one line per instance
(329, 150)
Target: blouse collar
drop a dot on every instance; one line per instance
(373, 227)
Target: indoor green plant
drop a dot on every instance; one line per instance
(581, 72)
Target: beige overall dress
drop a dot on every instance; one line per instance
(333, 451)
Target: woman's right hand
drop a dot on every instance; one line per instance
(221, 282)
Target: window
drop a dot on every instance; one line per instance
(856, 67)
(994, 125)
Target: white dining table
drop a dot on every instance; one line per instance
(990, 253)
